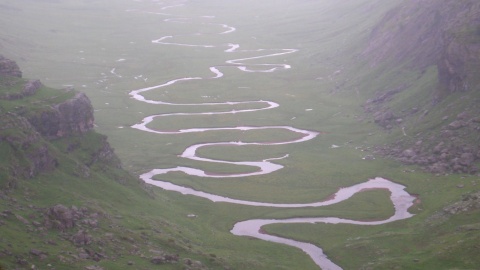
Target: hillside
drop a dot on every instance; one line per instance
(64, 198)
(240, 111)
(433, 112)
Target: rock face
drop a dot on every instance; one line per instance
(105, 154)
(469, 202)
(9, 68)
(61, 218)
(25, 142)
(422, 35)
(423, 31)
(29, 126)
(28, 135)
(81, 238)
(29, 89)
(459, 64)
(74, 116)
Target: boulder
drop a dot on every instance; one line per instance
(466, 159)
(59, 217)
(166, 258)
(9, 67)
(31, 87)
(457, 124)
(81, 238)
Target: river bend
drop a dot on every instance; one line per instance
(400, 199)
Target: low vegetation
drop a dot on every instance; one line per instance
(381, 110)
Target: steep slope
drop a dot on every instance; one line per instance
(434, 46)
(65, 201)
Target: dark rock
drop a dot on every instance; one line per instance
(448, 39)
(31, 87)
(7, 213)
(408, 153)
(457, 124)
(466, 159)
(384, 118)
(21, 261)
(37, 252)
(463, 116)
(93, 255)
(36, 223)
(193, 265)
(469, 203)
(59, 217)
(438, 148)
(22, 219)
(74, 116)
(83, 256)
(51, 242)
(158, 260)
(385, 96)
(90, 222)
(26, 141)
(9, 68)
(167, 258)
(81, 238)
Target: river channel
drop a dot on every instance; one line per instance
(400, 199)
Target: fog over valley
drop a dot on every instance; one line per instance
(213, 134)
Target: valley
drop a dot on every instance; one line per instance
(247, 124)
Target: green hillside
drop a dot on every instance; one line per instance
(390, 87)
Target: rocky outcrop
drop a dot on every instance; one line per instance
(27, 145)
(29, 126)
(105, 154)
(62, 218)
(459, 65)
(9, 68)
(469, 203)
(420, 31)
(72, 117)
(164, 259)
(81, 238)
(424, 33)
(29, 89)
(420, 35)
(448, 150)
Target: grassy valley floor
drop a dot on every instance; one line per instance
(106, 51)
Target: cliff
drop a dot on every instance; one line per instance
(432, 113)
(33, 116)
(51, 159)
(420, 31)
(71, 117)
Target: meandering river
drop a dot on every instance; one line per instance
(401, 200)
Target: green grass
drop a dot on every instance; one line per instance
(85, 47)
